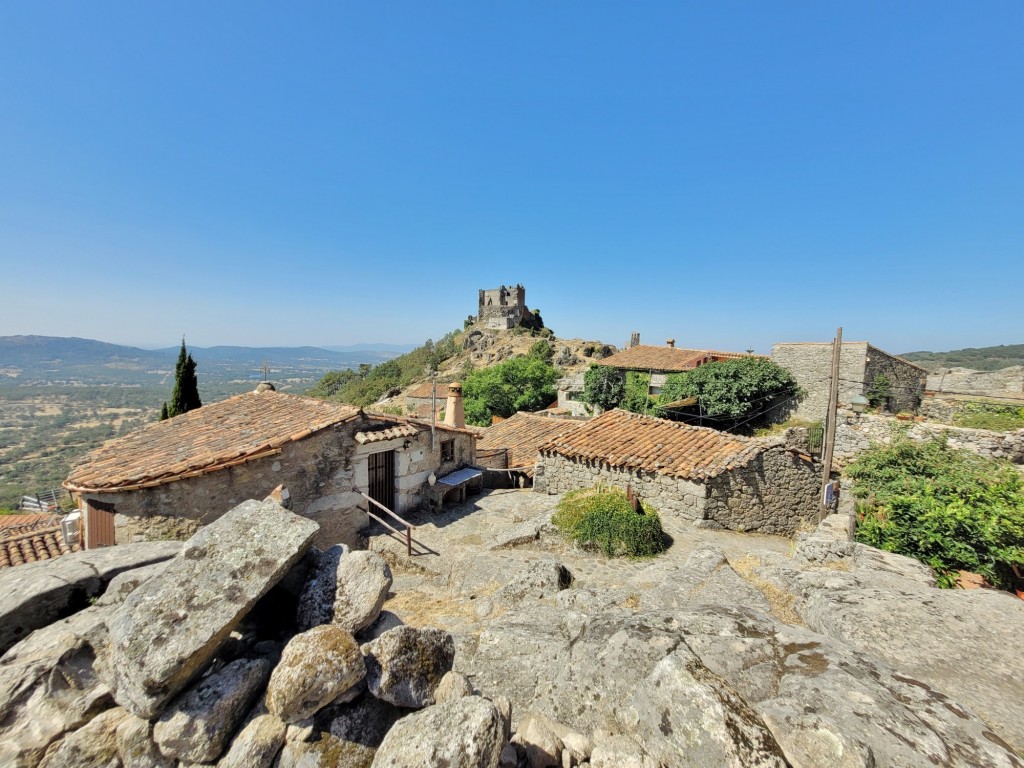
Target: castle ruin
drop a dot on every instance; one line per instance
(504, 308)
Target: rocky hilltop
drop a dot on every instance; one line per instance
(498, 644)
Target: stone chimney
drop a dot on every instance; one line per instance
(454, 413)
(671, 343)
(634, 339)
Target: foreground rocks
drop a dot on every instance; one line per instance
(169, 628)
(37, 594)
(814, 659)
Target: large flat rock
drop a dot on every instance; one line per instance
(169, 628)
(37, 594)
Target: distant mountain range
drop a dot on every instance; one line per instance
(977, 358)
(67, 360)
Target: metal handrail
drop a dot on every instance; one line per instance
(406, 523)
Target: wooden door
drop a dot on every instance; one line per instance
(99, 525)
(382, 478)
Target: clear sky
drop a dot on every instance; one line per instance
(729, 174)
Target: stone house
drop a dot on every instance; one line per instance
(657, 361)
(513, 444)
(859, 364)
(166, 480)
(713, 479)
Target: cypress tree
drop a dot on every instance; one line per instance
(164, 415)
(185, 396)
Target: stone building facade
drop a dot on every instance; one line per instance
(324, 470)
(699, 475)
(859, 364)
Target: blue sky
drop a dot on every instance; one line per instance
(728, 174)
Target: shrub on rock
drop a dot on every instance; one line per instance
(604, 517)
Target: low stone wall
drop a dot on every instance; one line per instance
(669, 495)
(777, 492)
(855, 432)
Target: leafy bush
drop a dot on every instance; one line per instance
(948, 508)
(880, 391)
(604, 518)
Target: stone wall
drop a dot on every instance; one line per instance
(570, 390)
(907, 380)
(777, 492)
(670, 496)
(811, 366)
(856, 432)
(774, 493)
(323, 474)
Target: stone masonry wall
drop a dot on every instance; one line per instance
(775, 493)
(323, 474)
(907, 380)
(856, 432)
(811, 366)
(669, 495)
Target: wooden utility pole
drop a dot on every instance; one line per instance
(830, 432)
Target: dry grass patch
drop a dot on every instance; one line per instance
(781, 602)
(418, 609)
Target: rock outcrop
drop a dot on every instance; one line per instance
(404, 666)
(37, 594)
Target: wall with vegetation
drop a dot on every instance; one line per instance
(906, 381)
(855, 433)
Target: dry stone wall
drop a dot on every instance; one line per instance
(855, 432)
(775, 493)
(811, 366)
(669, 495)
(907, 380)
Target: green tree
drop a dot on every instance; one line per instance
(164, 415)
(733, 391)
(185, 396)
(603, 387)
(541, 350)
(637, 397)
(519, 384)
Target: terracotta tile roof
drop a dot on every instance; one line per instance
(388, 433)
(12, 525)
(630, 441)
(522, 434)
(645, 357)
(41, 544)
(219, 435)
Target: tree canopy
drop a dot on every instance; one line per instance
(185, 396)
(733, 390)
(519, 384)
(603, 387)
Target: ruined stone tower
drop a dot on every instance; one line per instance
(505, 307)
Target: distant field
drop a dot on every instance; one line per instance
(978, 358)
(44, 429)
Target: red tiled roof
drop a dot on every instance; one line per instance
(522, 434)
(645, 357)
(219, 435)
(12, 525)
(388, 433)
(628, 440)
(43, 544)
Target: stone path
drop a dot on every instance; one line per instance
(495, 517)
